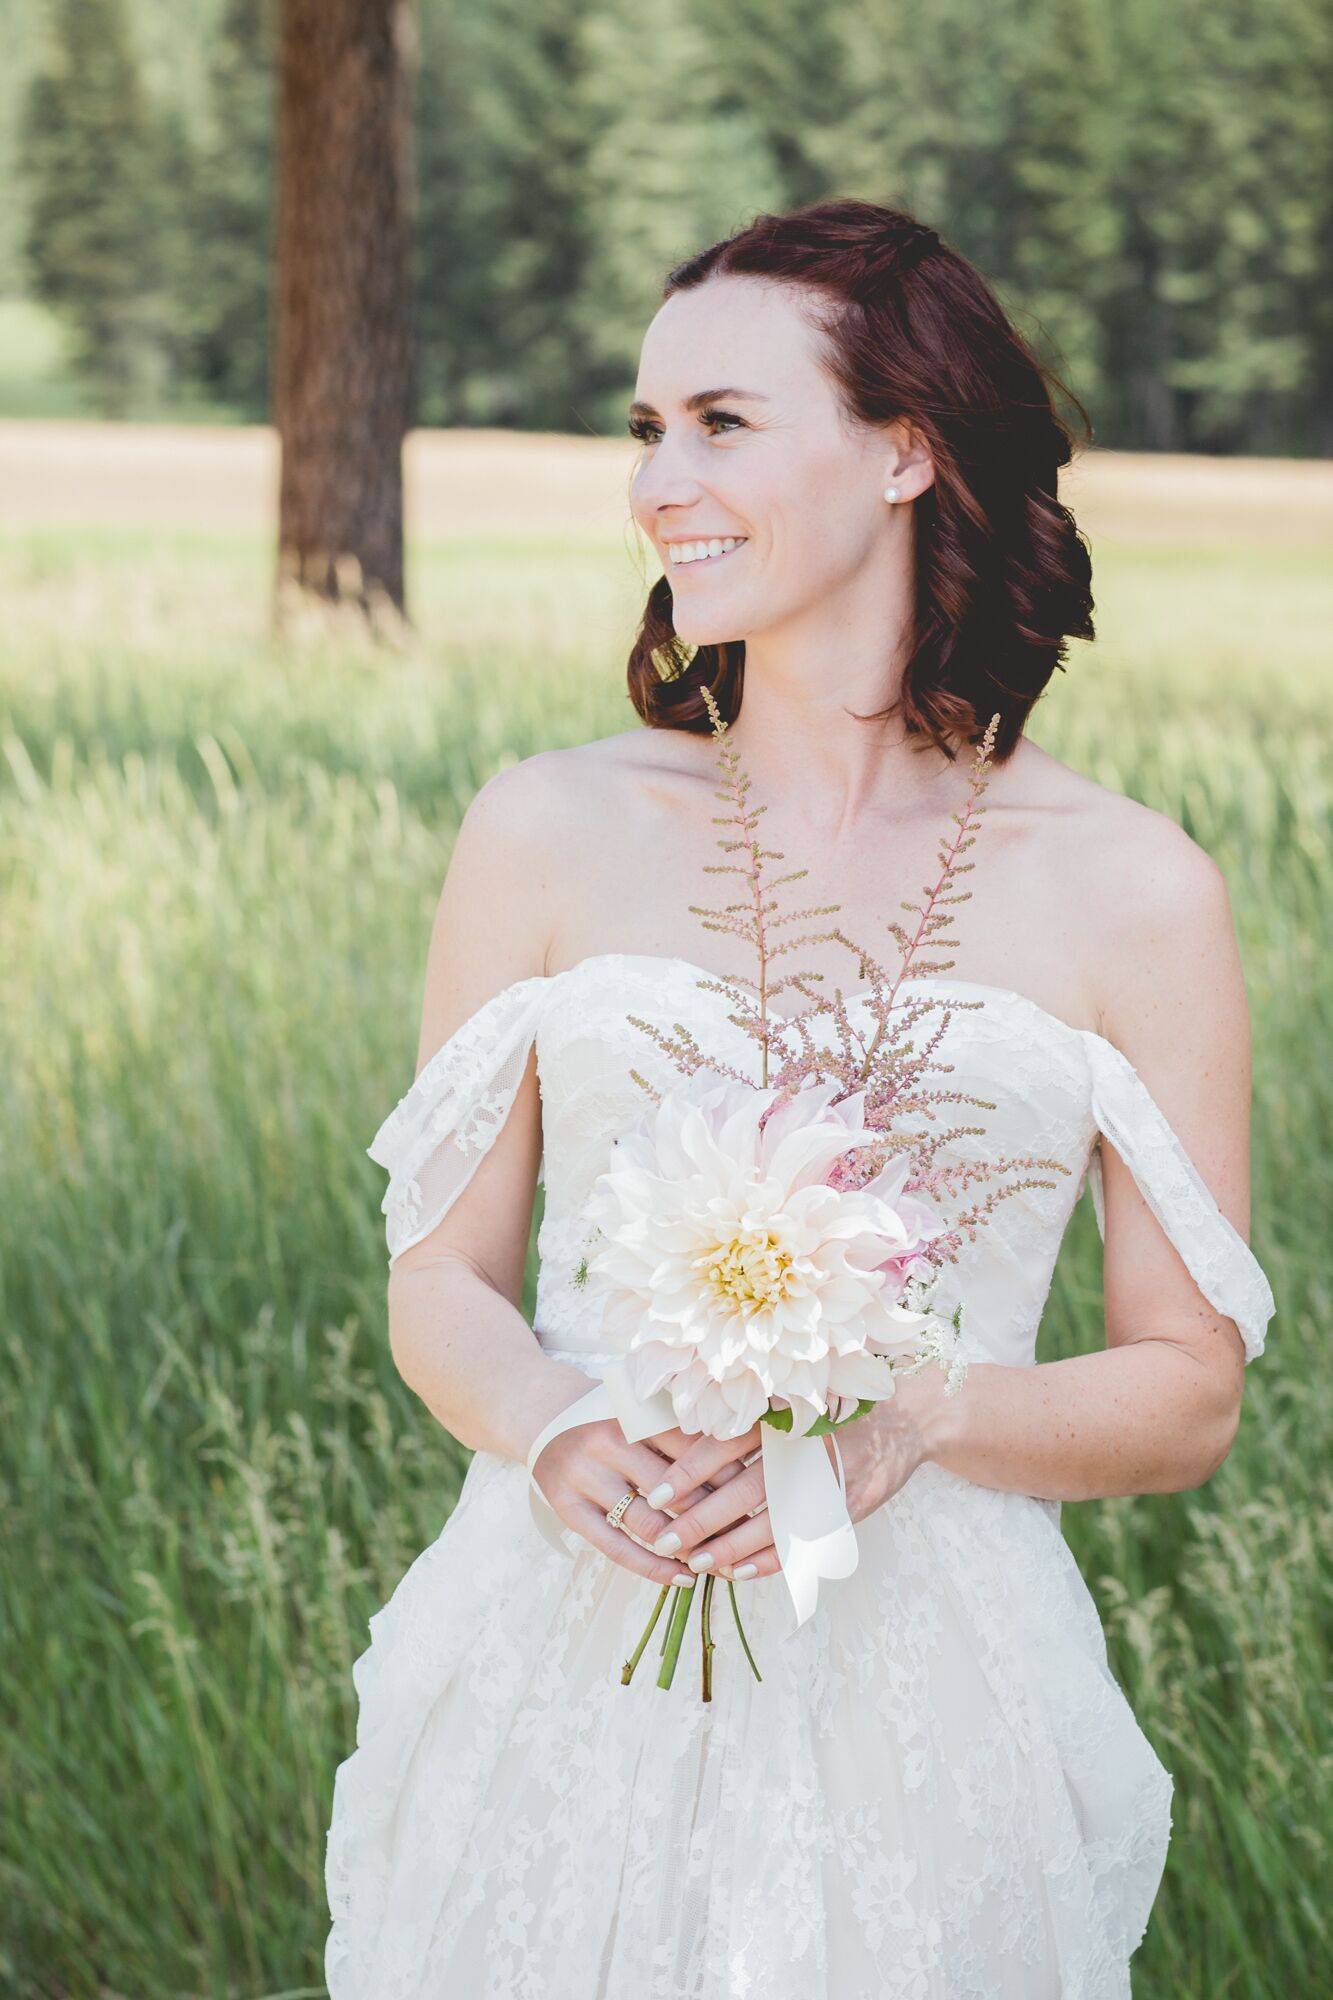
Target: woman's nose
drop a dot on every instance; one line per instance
(664, 482)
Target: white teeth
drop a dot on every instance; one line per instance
(688, 552)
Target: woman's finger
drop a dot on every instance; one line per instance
(606, 1485)
(716, 1512)
(709, 1485)
(701, 1462)
(645, 1467)
(762, 1563)
(750, 1541)
(588, 1521)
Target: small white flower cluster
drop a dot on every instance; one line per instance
(918, 1293)
(939, 1340)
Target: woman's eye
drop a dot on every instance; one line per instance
(639, 427)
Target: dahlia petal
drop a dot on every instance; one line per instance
(861, 1374)
(811, 1105)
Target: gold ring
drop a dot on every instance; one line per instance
(614, 1517)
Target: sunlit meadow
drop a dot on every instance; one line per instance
(219, 861)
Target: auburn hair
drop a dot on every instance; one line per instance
(1003, 575)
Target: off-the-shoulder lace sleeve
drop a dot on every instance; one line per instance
(1217, 1256)
(434, 1139)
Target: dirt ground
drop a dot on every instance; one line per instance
(462, 484)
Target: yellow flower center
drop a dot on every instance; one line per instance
(750, 1273)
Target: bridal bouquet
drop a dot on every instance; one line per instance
(769, 1252)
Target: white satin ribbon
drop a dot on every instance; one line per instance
(807, 1512)
(807, 1504)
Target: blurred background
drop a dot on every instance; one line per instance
(318, 320)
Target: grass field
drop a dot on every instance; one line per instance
(219, 861)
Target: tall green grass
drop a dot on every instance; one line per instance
(219, 860)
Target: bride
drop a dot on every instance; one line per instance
(848, 468)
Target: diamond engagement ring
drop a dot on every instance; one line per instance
(614, 1517)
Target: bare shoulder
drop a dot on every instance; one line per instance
(530, 831)
(1153, 926)
(547, 797)
(492, 921)
(613, 773)
(1155, 932)
(1157, 920)
(561, 804)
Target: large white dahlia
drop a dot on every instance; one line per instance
(733, 1276)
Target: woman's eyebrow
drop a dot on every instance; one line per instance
(701, 397)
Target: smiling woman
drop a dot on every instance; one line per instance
(934, 1787)
(905, 333)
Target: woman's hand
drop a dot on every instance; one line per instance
(732, 1509)
(727, 1531)
(586, 1469)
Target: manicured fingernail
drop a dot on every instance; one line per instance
(682, 1578)
(747, 1569)
(667, 1544)
(701, 1561)
(661, 1494)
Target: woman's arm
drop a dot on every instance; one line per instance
(1158, 1410)
(1151, 1416)
(456, 1330)
(458, 1336)
(467, 1351)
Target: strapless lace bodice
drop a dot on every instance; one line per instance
(1058, 1093)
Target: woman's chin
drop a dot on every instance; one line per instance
(703, 632)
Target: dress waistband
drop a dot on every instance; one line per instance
(594, 1359)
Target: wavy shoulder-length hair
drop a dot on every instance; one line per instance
(1003, 577)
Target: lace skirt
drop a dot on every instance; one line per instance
(937, 1791)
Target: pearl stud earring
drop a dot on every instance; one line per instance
(892, 493)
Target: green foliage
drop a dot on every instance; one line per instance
(147, 222)
(505, 148)
(102, 164)
(675, 161)
(219, 862)
(781, 1420)
(223, 284)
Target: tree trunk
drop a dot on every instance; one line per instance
(342, 362)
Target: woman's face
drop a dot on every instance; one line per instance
(776, 467)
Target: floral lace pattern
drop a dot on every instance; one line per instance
(1215, 1253)
(938, 1791)
(434, 1139)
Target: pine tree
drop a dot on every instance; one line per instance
(1248, 217)
(463, 370)
(103, 174)
(227, 279)
(508, 232)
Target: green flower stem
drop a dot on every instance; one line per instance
(673, 1634)
(706, 1635)
(680, 1612)
(627, 1671)
(736, 1612)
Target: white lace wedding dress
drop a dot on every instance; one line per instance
(937, 1792)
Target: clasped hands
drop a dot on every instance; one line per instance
(700, 1501)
